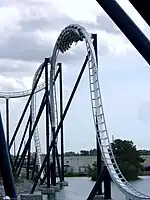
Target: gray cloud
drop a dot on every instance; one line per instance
(24, 44)
(46, 23)
(42, 23)
(18, 69)
(7, 86)
(104, 23)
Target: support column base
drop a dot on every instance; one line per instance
(45, 190)
(31, 197)
(63, 183)
(100, 197)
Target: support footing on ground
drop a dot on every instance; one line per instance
(52, 188)
(46, 190)
(100, 197)
(31, 197)
(63, 183)
(57, 187)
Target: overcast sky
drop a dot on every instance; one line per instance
(28, 32)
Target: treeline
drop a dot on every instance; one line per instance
(93, 152)
(144, 152)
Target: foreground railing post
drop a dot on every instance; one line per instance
(127, 26)
(5, 167)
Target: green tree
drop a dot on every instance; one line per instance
(70, 153)
(127, 158)
(92, 171)
(84, 153)
(93, 152)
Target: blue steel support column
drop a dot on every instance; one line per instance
(107, 184)
(47, 121)
(7, 120)
(143, 7)
(5, 166)
(99, 160)
(62, 127)
(29, 151)
(53, 169)
(127, 26)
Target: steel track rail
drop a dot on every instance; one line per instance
(23, 93)
(33, 117)
(20, 94)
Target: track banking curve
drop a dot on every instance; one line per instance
(20, 94)
(33, 117)
(75, 33)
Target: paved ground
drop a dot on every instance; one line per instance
(21, 187)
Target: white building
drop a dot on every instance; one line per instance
(147, 161)
(78, 163)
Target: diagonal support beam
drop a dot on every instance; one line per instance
(96, 186)
(60, 124)
(127, 26)
(143, 7)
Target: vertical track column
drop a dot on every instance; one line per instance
(47, 121)
(53, 165)
(99, 164)
(61, 113)
(29, 150)
(7, 120)
(107, 184)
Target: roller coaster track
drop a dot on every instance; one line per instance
(75, 33)
(33, 117)
(20, 94)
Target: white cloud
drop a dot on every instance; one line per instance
(74, 9)
(117, 44)
(9, 84)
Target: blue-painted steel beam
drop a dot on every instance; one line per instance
(143, 7)
(5, 167)
(127, 26)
